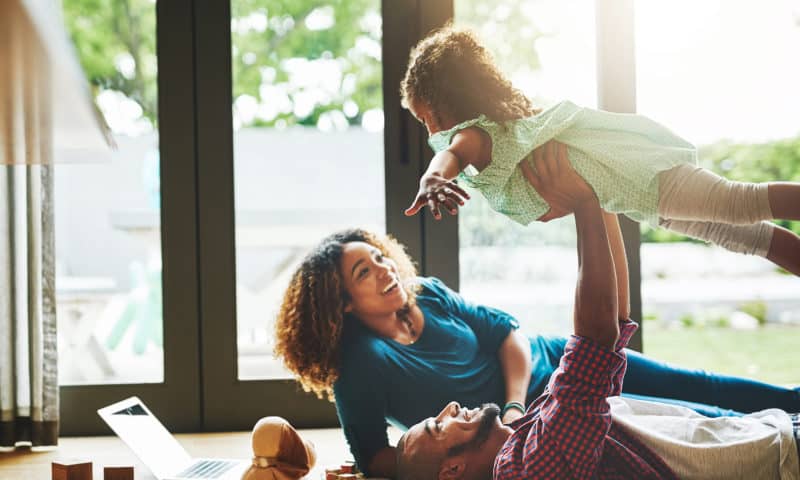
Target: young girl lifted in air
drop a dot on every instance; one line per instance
(484, 131)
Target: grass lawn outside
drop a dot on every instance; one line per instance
(770, 353)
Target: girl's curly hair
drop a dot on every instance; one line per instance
(453, 74)
(311, 318)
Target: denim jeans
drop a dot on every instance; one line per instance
(707, 393)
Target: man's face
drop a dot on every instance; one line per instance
(467, 441)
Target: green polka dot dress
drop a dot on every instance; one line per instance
(619, 155)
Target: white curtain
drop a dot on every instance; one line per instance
(45, 107)
(45, 101)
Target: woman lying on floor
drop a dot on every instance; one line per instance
(357, 325)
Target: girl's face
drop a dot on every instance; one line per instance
(424, 114)
(372, 281)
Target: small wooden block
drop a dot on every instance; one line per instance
(71, 470)
(118, 473)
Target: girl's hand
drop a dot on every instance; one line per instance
(437, 191)
(556, 181)
(511, 415)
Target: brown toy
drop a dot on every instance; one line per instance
(346, 471)
(279, 453)
(117, 473)
(71, 470)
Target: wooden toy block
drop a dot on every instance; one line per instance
(71, 470)
(118, 473)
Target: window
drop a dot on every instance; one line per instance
(724, 75)
(108, 208)
(308, 148)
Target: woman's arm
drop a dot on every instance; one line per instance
(384, 463)
(361, 393)
(515, 360)
(620, 262)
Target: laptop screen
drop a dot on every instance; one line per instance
(146, 436)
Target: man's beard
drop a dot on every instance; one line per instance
(489, 413)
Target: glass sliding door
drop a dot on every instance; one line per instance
(121, 299)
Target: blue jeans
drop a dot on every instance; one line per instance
(707, 393)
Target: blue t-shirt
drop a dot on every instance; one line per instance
(455, 358)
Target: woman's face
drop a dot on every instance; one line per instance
(372, 281)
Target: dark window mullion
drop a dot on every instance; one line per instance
(441, 246)
(216, 208)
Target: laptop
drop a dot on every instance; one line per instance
(133, 422)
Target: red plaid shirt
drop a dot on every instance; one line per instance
(568, 432)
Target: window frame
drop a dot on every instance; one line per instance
(198, 213)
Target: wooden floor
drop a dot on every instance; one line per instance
(23, 464)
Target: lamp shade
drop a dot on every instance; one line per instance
(45, 103)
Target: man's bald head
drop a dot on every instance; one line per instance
(419, 464)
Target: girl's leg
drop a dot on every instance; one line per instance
(652, 378)
(692, 193)
(784, 250)
(752, 239)
(764, 239)
(784, 200)
(699, 203)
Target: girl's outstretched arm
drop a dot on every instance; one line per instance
(437, 188)
(470, 146)
(620, 262)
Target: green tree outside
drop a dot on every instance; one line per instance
(116, 46)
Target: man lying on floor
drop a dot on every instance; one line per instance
(574, 430)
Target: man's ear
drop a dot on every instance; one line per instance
(452, 468)
(348, 307)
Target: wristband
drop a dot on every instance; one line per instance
(513, 405)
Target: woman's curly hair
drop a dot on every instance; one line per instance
(311, 318)
(453, 74)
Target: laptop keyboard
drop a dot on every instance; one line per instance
(207, 469)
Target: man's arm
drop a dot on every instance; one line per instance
(596, 293)
(574, 413)
(620, 264)
(596, 302)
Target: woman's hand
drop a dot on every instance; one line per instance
(511, 415)
(436, 191)
(556, 181)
